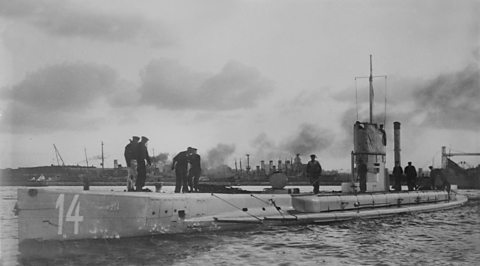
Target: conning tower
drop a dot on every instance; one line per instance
(370, 142)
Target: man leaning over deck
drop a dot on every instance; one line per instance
(180, 164)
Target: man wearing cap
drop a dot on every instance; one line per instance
(195, 169)
(142, 155)
(180, 164)
(130, 154)
(411, 174)
(314, 170)
(397, 174)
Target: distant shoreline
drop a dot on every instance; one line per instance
(164, 183)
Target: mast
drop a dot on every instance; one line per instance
(102, 157)
(86, 158)
(370, 79)
(371, 92)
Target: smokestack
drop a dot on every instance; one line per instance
(444, 157)
(396, 142)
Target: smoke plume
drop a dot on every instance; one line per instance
(451, 100)
(309, 139)
(219, 154)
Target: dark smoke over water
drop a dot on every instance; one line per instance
(160, 158)
(218, 155)
(309, 139)
(451, 100)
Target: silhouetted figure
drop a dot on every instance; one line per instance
(384, 135)
(130, 153)
(314, 170)
(411, 174)
(397, 175)
(195, 170)
(362, 174)
(180, 164)
(142, 155)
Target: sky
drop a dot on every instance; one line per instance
(268, 78)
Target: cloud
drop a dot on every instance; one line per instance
(310, 138)
(57, 96)
(219, 154)
(236, 86)
(307, 139)
(64, 18)
(451, 101)
(169, 85)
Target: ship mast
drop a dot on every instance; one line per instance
(371, 92)
(370, 79)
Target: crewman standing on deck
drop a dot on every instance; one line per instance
(397, 175)
(131, 151)
(142, 155)
(180, 164)
(314, 170)
(411, 174)
(362, 174)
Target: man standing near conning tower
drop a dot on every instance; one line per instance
(362, 174)
(411, 174)
(397, 175)
(314, 170)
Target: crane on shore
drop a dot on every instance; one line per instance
(58, 156)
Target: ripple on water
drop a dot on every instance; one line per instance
(437, 238)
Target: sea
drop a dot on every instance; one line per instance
(449, 237)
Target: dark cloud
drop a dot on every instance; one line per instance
(64, 18)
(449, 101)
(236, 86)
(218, 155)
(168, 85)
(308, 139)
(57, 96)
(452, 100)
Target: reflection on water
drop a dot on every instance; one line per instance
(446, 237)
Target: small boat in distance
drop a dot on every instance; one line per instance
(65, 214)
(41, 181)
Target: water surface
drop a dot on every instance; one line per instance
(450, 237)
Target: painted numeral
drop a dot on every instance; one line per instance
(73, 213)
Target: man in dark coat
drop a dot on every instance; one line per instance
(180, 164)
(411, 174)
(142, 155)
(362, 174)
(314, 170)
(195, 170)
(131, 151)
(397, 175)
